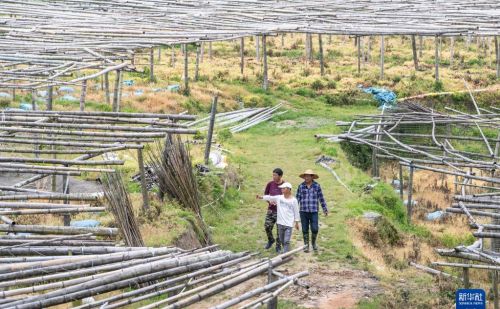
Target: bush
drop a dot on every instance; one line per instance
(438, 86)
(224, 135)
(317, 85)
(340, 99)
(4, 103)
(357, 154)
(331, 84)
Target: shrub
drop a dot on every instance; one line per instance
(4, 103)
(357, 154)
(317, 85)
(438, 86)
(331, 84)
(224, 135)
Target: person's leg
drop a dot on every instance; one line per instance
(314, 229)
(268, 226)
(304, 221)
(281, 234)
(287, 235)
(278, 240)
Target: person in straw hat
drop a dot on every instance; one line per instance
(309, 195)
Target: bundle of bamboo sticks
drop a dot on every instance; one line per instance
(171, 163)
(119, 203)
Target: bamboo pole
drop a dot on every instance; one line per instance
(265, 80)
(144, 188)
(197, 64)
(242, 55)
(210, 129)
(83, 94)
(436, 58)
(152, 64)
(414, 50)
(381, 57)
(116, 106)
(186, 76)
(65, 230)
(321, 59)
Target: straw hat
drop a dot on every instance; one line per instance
(309, 172)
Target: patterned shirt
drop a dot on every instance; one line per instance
(309, 198)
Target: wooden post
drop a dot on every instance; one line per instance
(202, 51)
(197, 64)
(436, 57)
(414, 49)
(210, 50)
(144, 188)
(33, 99)
(452, 52)
(420, 45)
(159, 54)
(83, 94)
(265, 81)
(66, 190)
(359, 53)
(466, 278)
(257, 48)
(329, 39)
(401, 183)
(210, 129)
(369, 49)
(381, 57)
(497, 53)
(106, 88)
(151, 65)
(410, 193)
(321, 58)
(495, 289)
(132, 58)
(306, 48)
(50, 97)
(242, 54)
(282, 40)
(273, 304)
(116, 90)
(120, 89)
(310, 46)
(186, 76)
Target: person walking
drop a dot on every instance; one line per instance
(309, 195)
(273, 189)
(288, 214)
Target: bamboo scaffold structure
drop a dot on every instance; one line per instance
(38, 144)
(462, 145)
(46, 44)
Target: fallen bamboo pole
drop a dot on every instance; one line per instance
(65, 230)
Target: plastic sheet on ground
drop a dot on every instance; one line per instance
(385, 98)
(85, 223)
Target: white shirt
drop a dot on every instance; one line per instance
(288, 209)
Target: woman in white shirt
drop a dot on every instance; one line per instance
(288, 213)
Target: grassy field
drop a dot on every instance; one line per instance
(313, 105)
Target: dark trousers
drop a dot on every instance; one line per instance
(271, 218)
(309, 220)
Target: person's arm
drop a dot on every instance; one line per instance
(296, 214)
(269, 198)
(322, 200)
(297, 194)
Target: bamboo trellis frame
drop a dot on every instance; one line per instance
(438, 146)
(43, 43)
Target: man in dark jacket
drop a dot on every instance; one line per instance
(272, 188)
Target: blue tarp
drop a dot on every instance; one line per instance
(128, 82)
(67, 89)
(5, 95)
(26, 106)
(68, 97)
(85, 223)
(384, 97)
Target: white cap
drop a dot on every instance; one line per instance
(286, 185)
